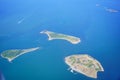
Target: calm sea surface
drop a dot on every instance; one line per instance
(20, 25)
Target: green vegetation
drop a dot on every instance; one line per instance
(53, 35)
(73, 60)
(62, 36)
(11, 53)
(84, 64)
(97, 69)
(89, 63)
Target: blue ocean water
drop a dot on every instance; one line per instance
(20, 25)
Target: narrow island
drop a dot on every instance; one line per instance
(84, 64)
(53, 35)
(14, 53)
(111, 10)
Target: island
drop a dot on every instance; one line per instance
(108, 9)
(54, 35)
(111, 10)
(14, 53)
(84, 64)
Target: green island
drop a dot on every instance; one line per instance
(14, 53)
(84, 64)
(53, 35)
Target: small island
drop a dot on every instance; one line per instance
(53, 35)
(14, 53)
(84, 64)
(111, 10)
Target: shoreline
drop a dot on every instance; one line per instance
(24, 51)
(64, 38)
(82, 66)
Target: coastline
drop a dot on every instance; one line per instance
(67, 38)
(24, 51)
(80, 68)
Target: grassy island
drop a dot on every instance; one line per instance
(53, 35)
(84, 64)
(14, 53)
